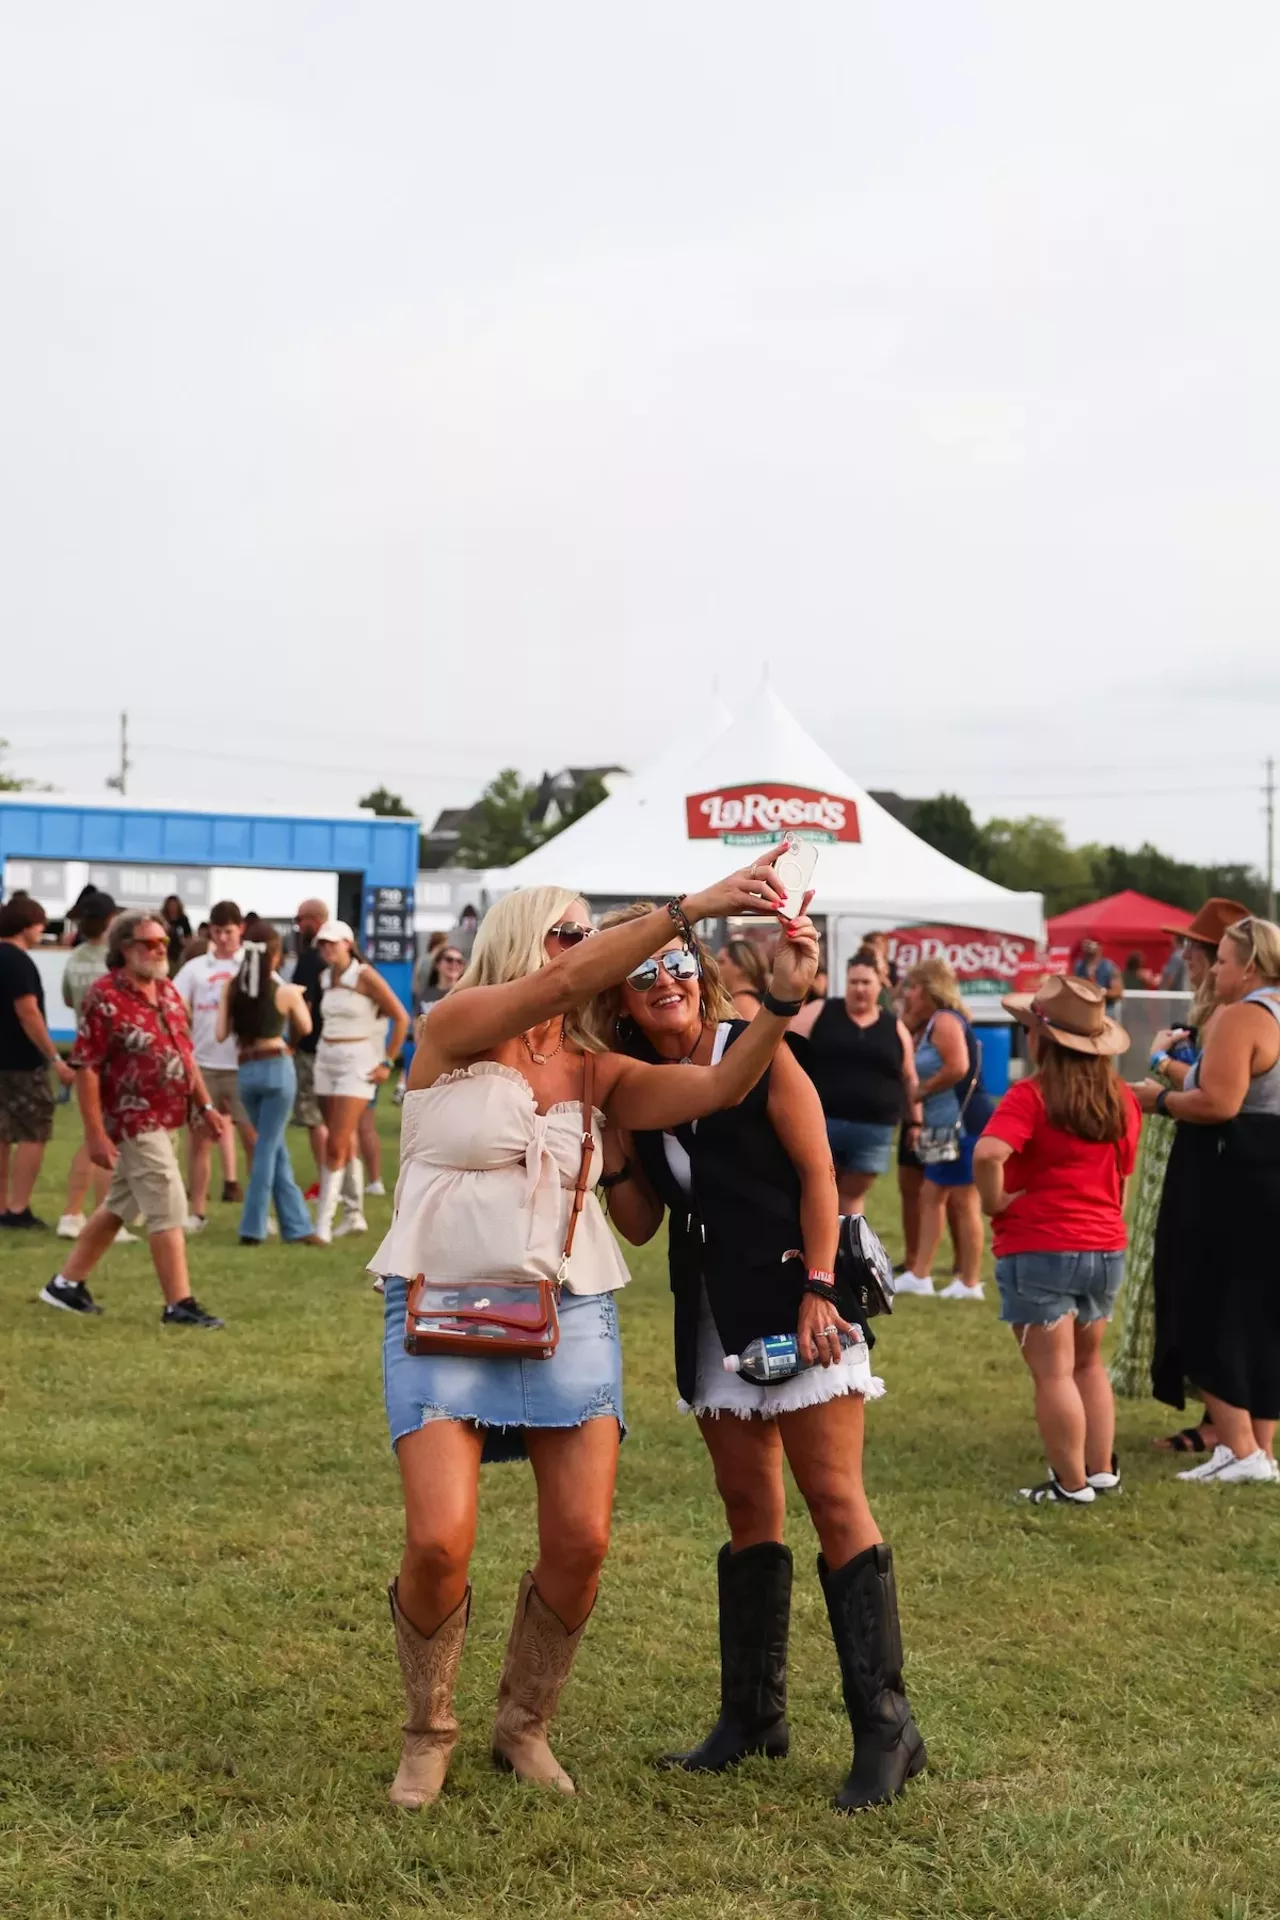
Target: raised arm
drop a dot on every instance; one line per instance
(1226, 1066)
(471, 1022)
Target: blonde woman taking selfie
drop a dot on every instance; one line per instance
(492, 1146)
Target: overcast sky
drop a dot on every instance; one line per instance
(393, 391)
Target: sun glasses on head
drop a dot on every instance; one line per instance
(679, 963)
(569, 933)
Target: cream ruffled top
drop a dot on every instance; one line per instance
(486, 1185)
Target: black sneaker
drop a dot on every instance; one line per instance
(71, 1295)
(1101, 1482)
(1050, 1491)
(25, 1219)
(188, 1313)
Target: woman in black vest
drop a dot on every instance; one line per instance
(860, 1058)
(752, 1240)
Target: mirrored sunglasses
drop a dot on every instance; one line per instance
(569, 933)
(679, 963)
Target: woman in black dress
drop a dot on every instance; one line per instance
(1217, 1300)
(862, 1061)
(752, 1241)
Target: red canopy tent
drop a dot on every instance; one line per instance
(1122, 924)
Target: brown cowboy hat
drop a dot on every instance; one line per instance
(1212, 921)
(1073, 1012)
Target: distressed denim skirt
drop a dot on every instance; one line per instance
(581, 1381)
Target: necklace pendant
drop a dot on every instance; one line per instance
(538, 1059)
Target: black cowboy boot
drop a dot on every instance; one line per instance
(887, 1745)
(755, 1612)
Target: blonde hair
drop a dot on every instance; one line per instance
(939, 982)
(510, 946)
(602, 1015)
(1258, 942)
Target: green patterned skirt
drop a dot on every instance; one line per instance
(1131, 1366)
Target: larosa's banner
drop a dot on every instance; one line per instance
(763, 811)
(982, 962)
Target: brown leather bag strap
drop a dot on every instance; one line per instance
(588, 1148)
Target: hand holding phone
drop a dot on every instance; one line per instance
(794, 869)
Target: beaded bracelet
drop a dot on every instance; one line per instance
(675, 907)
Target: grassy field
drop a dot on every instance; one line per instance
(201, 1701)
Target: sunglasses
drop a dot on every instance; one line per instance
(152, 946)
(569, 933)
(679, 963)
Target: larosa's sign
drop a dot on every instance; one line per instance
(764, 811)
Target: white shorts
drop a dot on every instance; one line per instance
(343, 1068)
(717, 1391)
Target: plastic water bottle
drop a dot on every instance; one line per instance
(776, 1356)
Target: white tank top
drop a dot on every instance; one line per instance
(346, 1014)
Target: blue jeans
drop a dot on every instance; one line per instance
(268, 1088)
(1039, 1289)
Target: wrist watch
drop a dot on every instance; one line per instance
(1162, 1102)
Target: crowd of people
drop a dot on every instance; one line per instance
(538, 1093)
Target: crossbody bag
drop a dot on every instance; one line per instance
(503, 1316)
(940, 1146)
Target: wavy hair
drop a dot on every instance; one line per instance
(1257, 941)
(939, 982)
(510, 946)
(1082, 1092)
(603, 1016)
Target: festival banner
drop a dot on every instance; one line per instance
(983, 962)
(762, 812)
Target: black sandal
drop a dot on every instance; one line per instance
(1186, 1440)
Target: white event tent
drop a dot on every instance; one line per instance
(676, 826)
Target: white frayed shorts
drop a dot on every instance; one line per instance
(717, 1391)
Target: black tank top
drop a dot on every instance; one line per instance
(857, 1070)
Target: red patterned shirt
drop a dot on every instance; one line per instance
(141, 1051)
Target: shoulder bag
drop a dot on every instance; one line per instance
(504, 1316)
(940, 1146)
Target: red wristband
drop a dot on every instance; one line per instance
(822, 1277)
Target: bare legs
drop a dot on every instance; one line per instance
(19, 1167)
(80, 1177)
(370, 1143)
(342, 1121)
(823, 1447)
(853, 1189)
(574, 1468)
(1075, 1411)
(168, 1252)
(1237, 1429)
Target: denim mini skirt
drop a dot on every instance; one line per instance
(581, 1381)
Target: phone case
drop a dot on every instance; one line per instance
(794, 867)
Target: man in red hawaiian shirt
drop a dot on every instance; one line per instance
(137, 1082)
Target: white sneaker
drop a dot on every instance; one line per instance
(272, 1228)
(912, 1283)
(1220, 1458)
(125, 1239)
(376, 1188)
(958, 1291)
(350, 1223)
(194, 1223)
(380, 1284)
(1254, 1466)
(71, 1226)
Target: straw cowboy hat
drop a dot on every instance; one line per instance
(1212, 921)
(1070, 1011)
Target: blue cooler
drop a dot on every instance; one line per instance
(996, 1038)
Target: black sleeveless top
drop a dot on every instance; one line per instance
(737, 1230)
(857, 1070)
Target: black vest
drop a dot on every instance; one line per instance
(857, 1070)
(733, 1231)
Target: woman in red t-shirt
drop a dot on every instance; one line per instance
(1051, 1169)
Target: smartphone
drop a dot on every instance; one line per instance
(794, 868)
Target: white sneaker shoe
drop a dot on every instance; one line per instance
(1254, 1466)
(912, 1283)
(958, 1291)
(125, 1239)
(71, 1226)
(195, 1223)
(272, 1228)
(350, 1223)
(1223, 1465)
(376, 1188)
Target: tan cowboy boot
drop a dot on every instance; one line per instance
(429, 1663)
(539, 1655)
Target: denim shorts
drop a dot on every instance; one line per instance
(581, 1380)
(860, 1146)
(1037, 1289)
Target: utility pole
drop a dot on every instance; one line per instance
(120, 780)
(1270, 791)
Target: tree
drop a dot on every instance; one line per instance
(498, 829)
(388, 805)
(9, 783)
(1032, 856)
(947, 824)
(589, 794)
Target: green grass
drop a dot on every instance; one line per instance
(201, 1700)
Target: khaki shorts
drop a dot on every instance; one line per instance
(146, 1181)
(306, 1107)
(224, 1091)
(26, 1106)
